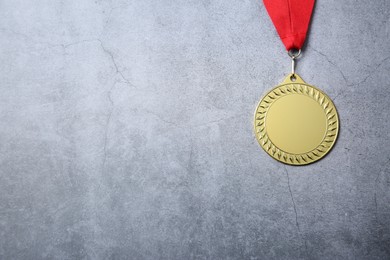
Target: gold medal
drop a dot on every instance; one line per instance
(296, 123)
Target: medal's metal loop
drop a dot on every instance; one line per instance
(294, 54)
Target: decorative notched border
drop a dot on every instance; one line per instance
(289, 158)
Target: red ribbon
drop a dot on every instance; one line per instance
(291, 19)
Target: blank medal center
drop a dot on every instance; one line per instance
(296, 123)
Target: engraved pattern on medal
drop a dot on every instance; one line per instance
(290, 158)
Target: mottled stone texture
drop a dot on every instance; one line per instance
(126, 132)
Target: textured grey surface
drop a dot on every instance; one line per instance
(126, 132)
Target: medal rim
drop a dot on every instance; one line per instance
(295, 162)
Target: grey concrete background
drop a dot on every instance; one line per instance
(126, 132)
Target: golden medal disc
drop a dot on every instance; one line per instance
(296, 123)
